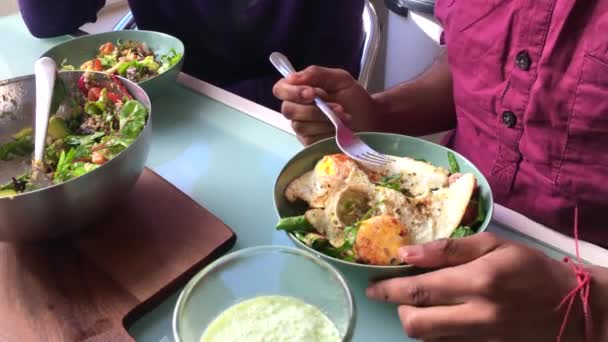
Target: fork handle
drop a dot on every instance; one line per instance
(331, 115)
(284, 66)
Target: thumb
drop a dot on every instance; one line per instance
(330, 80)
(450, 252)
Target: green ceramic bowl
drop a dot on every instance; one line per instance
(84, 48)
(392, 144)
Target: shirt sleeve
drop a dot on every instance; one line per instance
(441, 11)
(46, 19)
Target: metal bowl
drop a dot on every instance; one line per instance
(72, 205)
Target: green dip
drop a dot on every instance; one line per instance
(271, 318)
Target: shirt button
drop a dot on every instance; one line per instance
(509, 119)
(523, 61)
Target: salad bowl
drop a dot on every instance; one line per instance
(386, 143)
(168, 52)
(79, 200)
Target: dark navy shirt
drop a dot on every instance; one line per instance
(228, 41)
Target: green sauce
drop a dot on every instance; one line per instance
(271, 318)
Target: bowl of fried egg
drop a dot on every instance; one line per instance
(358, 216)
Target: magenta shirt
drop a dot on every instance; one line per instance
(531, 94)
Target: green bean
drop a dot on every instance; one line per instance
(454, 168)
(294, 223)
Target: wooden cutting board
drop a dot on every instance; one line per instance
(91, 285)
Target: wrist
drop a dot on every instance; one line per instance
(598, 299)
(395, 109)
(381, 106)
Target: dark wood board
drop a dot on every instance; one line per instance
(89, 286)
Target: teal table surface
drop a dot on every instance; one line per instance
(225, 160)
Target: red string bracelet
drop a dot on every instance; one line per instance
(583, 279)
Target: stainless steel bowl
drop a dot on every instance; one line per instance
(77, 203)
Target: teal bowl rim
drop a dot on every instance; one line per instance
(482, 228)
(179, 306)
(88, 36)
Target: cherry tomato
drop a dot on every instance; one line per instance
(106, 48)
(114, 97)
(98, 158)
(93, 94)
(97, 65)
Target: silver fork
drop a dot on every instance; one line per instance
(347, 141)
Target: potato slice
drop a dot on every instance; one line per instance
(379, 238)
(455, 202)
(300, 188)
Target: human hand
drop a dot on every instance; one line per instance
(487, 290)
(349, 100)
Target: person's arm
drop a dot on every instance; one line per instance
(418, 107)
(46, 19)
(422, 106)
(599, 302)
(485, 288)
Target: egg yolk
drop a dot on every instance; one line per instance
(332, 165)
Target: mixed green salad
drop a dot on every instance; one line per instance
(130, 59)
(103, 120)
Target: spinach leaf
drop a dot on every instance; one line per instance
(52, 152)
(82, 151)
(454, 168)
(115, 145)
(68, 167)
(62, 172)
(132, 119)
(169, 60)
(80, 168)
(18, 147)
(65, 66)
(149, 63)
(109, 60)
(462, 231)
(123, 66)
(75, 140)
(17, 184)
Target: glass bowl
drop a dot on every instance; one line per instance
(264, 270)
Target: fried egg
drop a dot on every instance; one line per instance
(434, 215)
(330, 174)
(417, 177)
(409, 201)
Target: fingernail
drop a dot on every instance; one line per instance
(369, 291)
(409, 251)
